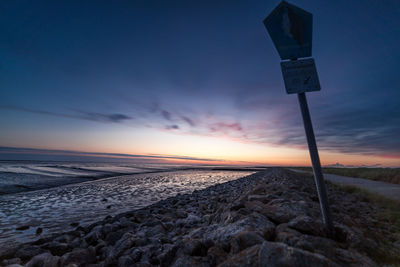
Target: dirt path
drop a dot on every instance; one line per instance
(388, 190)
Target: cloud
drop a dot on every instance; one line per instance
(225, 127)
(115, 117)
(172, 127)
(33, 153)
(81, 115)
(188, 121)
(166, 115)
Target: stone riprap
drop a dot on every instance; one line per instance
(270, 218)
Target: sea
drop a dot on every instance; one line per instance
(40, 198)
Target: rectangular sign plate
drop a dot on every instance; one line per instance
(300, 76)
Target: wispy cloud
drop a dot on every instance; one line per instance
(363, 130)
(166, 115)
(81, 115)
(188, 121)
(172, 127)
(7, 151)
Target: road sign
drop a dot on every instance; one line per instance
(300, 76)
(290, 28)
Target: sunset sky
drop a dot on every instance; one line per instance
(195, 81)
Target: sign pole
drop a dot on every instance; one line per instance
(290, 28)
(318, 176)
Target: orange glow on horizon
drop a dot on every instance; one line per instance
(199, 149)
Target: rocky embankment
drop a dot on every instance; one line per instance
(270, 218)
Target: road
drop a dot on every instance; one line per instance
(388, 190)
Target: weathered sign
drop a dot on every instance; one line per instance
(290, 28)
(300, 76)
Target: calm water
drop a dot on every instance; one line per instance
(54, 209)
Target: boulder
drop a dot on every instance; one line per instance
(282, 211)
(79, 256)
(57, 248)
(307, 225)
(126, 242)
(28, 252)
(246, 258)
(245, 240)
(262, 198)
(194, 247)
(273, 254)
(253, 222)
(44, 260)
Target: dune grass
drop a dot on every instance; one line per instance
(389, 209)
(390, 175)
(388, 215)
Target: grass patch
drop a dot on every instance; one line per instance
(389, 208)
(390, 175)
(388, 217)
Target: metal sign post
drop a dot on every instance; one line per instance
(290, 28)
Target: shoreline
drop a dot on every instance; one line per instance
(271, 216)
(61, 181)
(61, 208)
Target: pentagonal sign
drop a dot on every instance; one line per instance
(290, 28)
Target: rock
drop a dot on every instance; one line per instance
(245, 240)
(64, 238)
(125, 261)
(94, 236)
(352, 258)
(186, 261)
(107, 228)
(194, 248)
(167, 255)
(99, 246)
(126, 242)
(12, 261)
(44, 260)
(283, 211)
(39, 230)
(74, 224)
(28, 252)
(253, 222)
(216, 255)
(125, 222)
(136, 254)
(181, 214)
(156, 230)
(261, 198)
(191, 219)
(113, 237)
(22, 228)
(80, 256)
(57, 248)
(247, 257)
(279, 254)
(307, 225)
(237, 205)
(254, 205)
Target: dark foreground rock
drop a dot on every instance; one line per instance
(270, 218)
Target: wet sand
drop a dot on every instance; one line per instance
(63, 208)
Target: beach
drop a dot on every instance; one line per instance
(63, 207)
(269, 218)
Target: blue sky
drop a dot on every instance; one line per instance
(79, 75)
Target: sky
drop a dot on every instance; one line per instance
(198, 80)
